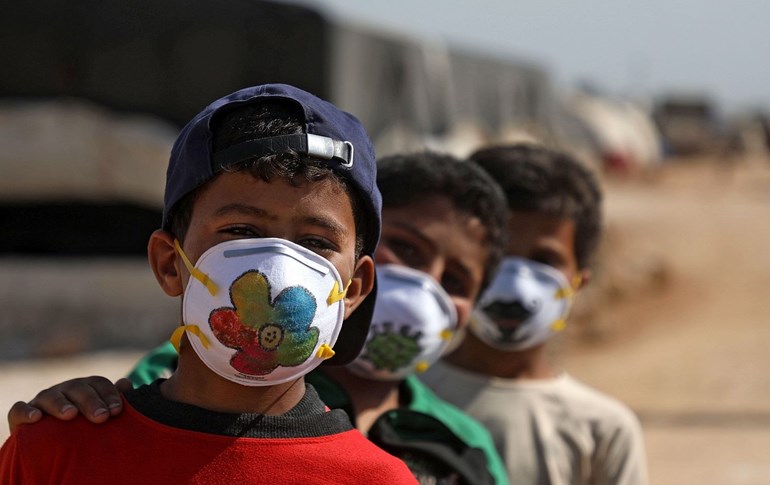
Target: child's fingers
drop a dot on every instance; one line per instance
(22, 413)
(54, 403)
(123, 385)
(103, 390)
(94, 397)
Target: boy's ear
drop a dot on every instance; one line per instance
(163, 261)
(361, 284)
(585, 278)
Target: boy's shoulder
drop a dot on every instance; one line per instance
(588, 403)
(52, 447)
(464, 426)
(50, 433)
(562, 396)
(422, 399)
(440, 428)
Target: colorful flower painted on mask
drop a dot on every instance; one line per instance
(266, 334)
(389, 349)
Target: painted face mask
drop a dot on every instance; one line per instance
(261, 311)
(414, 320)
(526, 304)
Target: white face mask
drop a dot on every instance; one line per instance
(414, 320)
(262, 311)
(526, 304)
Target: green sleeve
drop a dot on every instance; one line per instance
(473, 433)
(159, 362)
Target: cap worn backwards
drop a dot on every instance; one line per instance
(331, 135)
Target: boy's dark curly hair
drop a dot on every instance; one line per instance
(535, 178)
(406, 179)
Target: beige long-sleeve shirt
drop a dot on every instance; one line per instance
(550, 432)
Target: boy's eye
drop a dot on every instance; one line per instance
(241, 231)
(549, 258)
(547, 261)
(454, 285)
(317, 244)
(405, 251)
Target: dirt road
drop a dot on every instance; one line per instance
(689, 353)
(691, 357)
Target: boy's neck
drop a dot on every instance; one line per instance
(369, 398)
(475, 356)
(194, 383)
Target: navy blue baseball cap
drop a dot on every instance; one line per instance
(331, 136)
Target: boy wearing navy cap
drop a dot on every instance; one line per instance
(271, 217)
(443, 235)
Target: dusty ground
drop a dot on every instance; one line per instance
(685, 340)
(683, 334)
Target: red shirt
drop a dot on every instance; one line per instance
(133, 448)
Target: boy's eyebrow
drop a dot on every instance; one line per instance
(243, 209)
(249, 210)
(415, 232)
(327, 223)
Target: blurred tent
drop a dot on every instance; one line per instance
(60, 149)
(83, 173)
(627, 138)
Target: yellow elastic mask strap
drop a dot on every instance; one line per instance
(569, 292)
(176, 337)
(337, 295)
(325, 352)
(195, 272)
(559, 325)
(577, 280)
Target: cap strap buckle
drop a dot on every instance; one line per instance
(327, 149)
(317, 146)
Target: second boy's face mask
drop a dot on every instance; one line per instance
(526, 304)
(262, 311)
(414, 320)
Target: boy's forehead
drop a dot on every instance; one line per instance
(324, 202)
(441, 225)
(527, 229)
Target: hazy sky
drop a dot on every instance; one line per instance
(643, 46)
